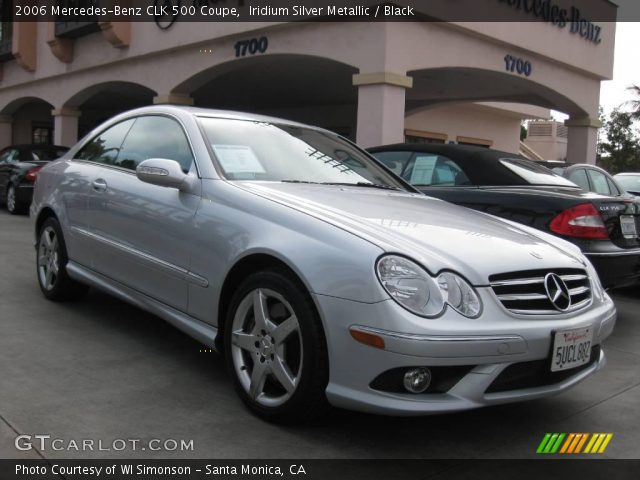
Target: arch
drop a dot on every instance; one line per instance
(99, 102)
(265, 64)
(433, 86)
(305, 88)
(127, 92)
(14, 105)
(28, 120)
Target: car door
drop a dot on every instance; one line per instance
(79, 173)
(141, 231)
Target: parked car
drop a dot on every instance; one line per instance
(19, 166)
(630, 182)
(589, 177)
(318, 273)
(509, 186)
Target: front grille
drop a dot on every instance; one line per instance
(524, 292)
(536, 374)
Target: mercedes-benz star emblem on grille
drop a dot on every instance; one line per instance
(558, 292)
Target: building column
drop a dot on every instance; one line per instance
(582, 143)
(173, 99)
(381, 99)
(6, 130)
(65, 126)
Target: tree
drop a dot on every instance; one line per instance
(621, 148)
(635, 104)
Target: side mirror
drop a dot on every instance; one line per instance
(162, 172)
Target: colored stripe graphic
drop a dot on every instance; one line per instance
(574, 443)
(543, 443)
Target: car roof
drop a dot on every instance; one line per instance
(212, 113)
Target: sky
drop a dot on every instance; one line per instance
(626, 70)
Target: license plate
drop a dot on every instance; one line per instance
(628, 226)
(571, 349)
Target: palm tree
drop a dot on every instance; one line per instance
(635, 104)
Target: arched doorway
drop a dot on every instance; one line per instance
(486, 108)
(303, 88)
(99, 102)
(27, 120)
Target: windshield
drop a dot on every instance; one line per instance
(535, 174)
(629, 182)
(261, 151)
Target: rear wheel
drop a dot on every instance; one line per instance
(51, 264)
(275, 348)
(14, 207)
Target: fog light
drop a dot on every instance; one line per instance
(417, 380)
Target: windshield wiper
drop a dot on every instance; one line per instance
(346, 184)
(301, 181)
(364, 184)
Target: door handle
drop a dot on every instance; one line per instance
(99, 185)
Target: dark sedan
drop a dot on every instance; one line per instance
(19, 166)
(509, 186)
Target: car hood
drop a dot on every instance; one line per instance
(437, 234)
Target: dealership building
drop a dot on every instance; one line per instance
(374, 82)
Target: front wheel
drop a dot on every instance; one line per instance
(276, 349)
(14, 207)
(51, 264)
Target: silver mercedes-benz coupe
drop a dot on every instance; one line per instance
(322, 277)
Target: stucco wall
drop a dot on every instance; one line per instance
(468, 121)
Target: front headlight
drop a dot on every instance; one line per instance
(459, 294)
(414, 289)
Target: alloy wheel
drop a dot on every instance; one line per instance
(48, 258)
(11, 198)
(266, 347)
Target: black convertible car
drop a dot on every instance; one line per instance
(509, 186)
(19, 165)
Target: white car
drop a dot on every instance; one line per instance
(319, 274)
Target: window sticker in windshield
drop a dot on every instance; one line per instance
(423, 170)
(238, 159)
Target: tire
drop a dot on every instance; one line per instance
(51, 262)
(14, 207)
(287, 345)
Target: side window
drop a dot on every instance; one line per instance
(394, 161)
(579, 177)
(426, 169)
(155, 137)
(599, 182)
(615, 191)
(105, 147)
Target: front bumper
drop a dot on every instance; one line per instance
(486, 346)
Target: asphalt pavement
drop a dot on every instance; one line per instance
(101, 370)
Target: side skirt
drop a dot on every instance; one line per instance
(197, 329)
